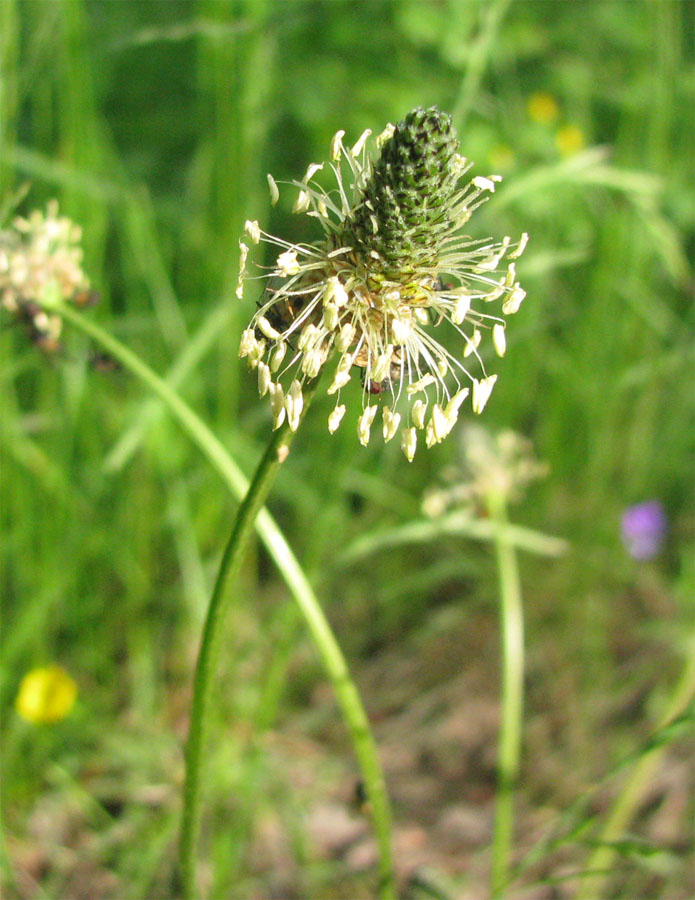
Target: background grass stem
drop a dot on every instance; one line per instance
(509, 752)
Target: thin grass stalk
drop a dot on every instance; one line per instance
(509, 752)
(329, 651)
(211, 641)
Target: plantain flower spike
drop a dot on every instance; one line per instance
(40, 264)
(393, 267)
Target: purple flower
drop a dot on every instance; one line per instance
(643, 529)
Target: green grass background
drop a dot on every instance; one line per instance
(155, 123)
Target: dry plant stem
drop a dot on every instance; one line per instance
(632, 793)
(512, 696)
(326, 645)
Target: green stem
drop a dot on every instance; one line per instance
(512, 696)
(213, 631)
(326, 645)
(627, 802)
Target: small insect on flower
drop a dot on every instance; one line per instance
(392, 265)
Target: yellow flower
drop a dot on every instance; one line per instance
(542, 107)
(569, 139)
(46, 695)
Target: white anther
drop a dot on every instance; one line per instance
(264, 379)
(499, 338)
(359, 145)
(461, 306)
(409, 443)
(417, 413)
(273, 188)
(391, 421)
(277, 356)
(336, 418)
(364, 424)
(336, 145)
(454, 404)
(287, 263)
(421, 383)
(513, 301)
(440, 426)
(247, 343)
(277, 404)
(267, 329)
(472, 343)
(400, 331)
(345, 337)
(294, 402)
(481, 392)
(253, 230)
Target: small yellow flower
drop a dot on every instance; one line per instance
(569, 140)
(542, 108)
(46, 695)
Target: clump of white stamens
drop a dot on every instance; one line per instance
(347, 302)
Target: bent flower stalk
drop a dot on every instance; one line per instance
(393, 266)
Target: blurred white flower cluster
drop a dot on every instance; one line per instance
(41, 263)
(501, 466)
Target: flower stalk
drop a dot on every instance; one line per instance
(211, 641)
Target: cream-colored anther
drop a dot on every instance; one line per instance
(335, 418)
(287, 263)
(277, 356)
(267, 329)
(358, 147)
(391, 421)
(247, 343)
(422, 383)
(345, 337)
(461, 306)
(499, 338)
(294, 403)
(409, 443)
(513, 301)
(440, 426)
(336, 145)
(273, 188)
(472, 343)
(264, 379)
(417, 413)
(277, 405)
(253, 230)
(364, 424)
(481, 392)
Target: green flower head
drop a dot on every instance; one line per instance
(392, 267)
